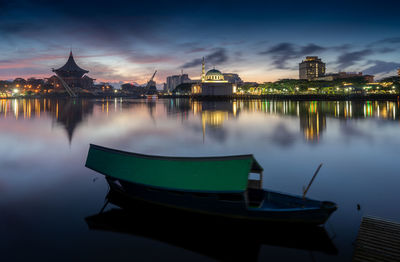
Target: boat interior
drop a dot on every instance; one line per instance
(259, 198)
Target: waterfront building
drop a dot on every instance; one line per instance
(369, 78)
(176, 80)
(72, 75)
(103, 88)
(233, 78)
(311, 68)
(19, 82)
(213, 83)
(398, 71)
(346, 75)
(35, 83)
(4, 84)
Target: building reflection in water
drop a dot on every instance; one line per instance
(312, 122)
(69, 113)
(312, 114)
(213, 116)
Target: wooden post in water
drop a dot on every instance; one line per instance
(312, 180)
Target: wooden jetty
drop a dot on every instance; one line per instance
(377, 240)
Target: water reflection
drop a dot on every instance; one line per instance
(312, 122)
(212, 115)
(312, 114)
(357, 142)
(218, 238)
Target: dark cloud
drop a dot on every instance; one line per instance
(196, 50)
(381, 67)
(284, 48)
(283, 52)
(217, 57)
(311, 48)
(193, 63)
(391, 40)
(191, 47)
(151, 31)
(97, 25)
(387, 45)
(341, 48)
(350, 58)
(385, 50)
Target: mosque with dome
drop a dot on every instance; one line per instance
(213, 84)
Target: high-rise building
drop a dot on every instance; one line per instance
(311, 68)
(174, 81)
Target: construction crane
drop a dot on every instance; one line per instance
(150, 82)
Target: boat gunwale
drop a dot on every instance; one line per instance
(203, 158)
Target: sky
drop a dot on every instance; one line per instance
(126, 41)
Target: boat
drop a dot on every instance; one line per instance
(151, 96)
(227, 186)
(216, 237)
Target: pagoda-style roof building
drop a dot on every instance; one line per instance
(70, 69)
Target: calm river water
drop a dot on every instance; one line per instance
(46, 192)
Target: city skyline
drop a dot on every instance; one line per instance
(259, 41)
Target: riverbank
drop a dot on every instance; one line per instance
(65, 96)
(298, 97)
(295, 97)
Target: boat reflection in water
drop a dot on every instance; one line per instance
(215, 237)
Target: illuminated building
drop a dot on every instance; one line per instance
(346, 75)
(311, 68)
(72, 75)
(19, 82)
(35, 83)
(213, 84)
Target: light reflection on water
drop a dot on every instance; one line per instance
(312, 114)
(45, 187)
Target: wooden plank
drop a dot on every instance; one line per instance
(377, 240)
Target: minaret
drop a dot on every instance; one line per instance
(203, 71)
